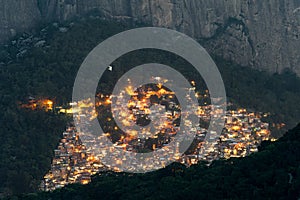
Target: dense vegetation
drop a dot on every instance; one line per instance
(29, 137)
(272, 173)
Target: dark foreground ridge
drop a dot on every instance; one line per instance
(272, 173)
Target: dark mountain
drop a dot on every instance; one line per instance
(48, 69)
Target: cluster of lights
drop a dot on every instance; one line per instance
(38, 104)
(242, 134)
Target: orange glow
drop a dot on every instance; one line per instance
(132, 134)
(153, 146)
(108, 101)
(263, 132)
(129, 90)
(239, 146)
(131, 104)
(200, 111)
(242, 110)
(84, 182)
(126, 122)
(40, 104)
(236, 128)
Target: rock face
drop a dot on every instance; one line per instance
(262, 34)
(17, 16)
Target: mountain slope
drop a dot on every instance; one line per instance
(29, 137)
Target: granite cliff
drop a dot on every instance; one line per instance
(261, 34)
